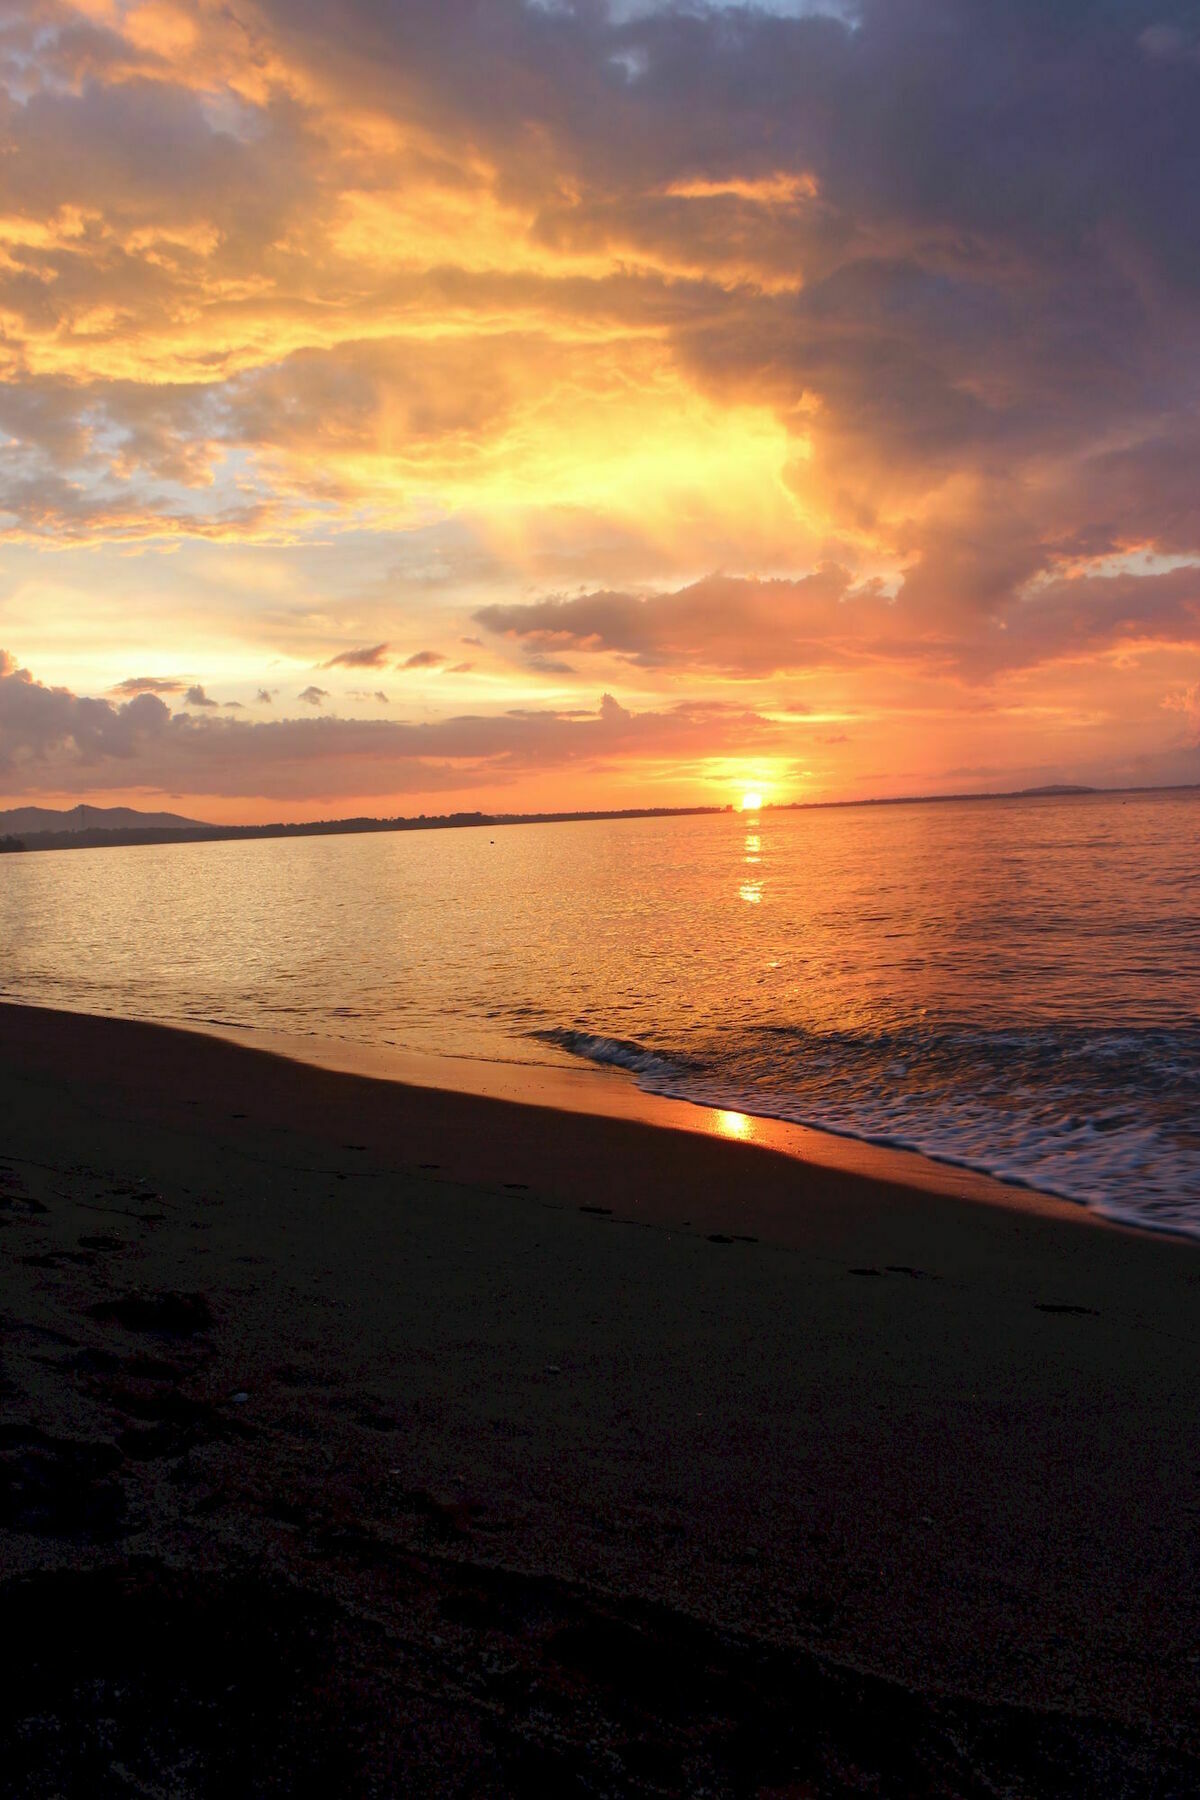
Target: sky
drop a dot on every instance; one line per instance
(534, 404)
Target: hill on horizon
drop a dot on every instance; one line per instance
(25, 819)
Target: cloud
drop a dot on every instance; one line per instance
(148, 684)
(539, 664)
(372, 657)
(314, 696)
(263, 697)
(892, 311)
(745, 627)
(43, 725)
(196, 696)
(423, 659)
(753, 629)
(54, 740)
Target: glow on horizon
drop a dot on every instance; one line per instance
(651, 440)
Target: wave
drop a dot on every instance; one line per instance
(618, 1053)
(1109, 1119)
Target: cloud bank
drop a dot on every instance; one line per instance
(696, 345)
(50, 737)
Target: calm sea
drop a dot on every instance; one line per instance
(1013, 985)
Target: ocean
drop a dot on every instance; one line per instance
(1011, 985)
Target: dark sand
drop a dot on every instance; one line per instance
(367, 1440)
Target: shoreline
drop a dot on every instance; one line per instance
(445, 1445)
(612, 1093)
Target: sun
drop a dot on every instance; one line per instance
(752, 800)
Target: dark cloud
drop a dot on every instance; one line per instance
(314, 696)
(745, 627)
(423, 659)
(989, 269)
(148, 684)
(373, 656)
(540, 664)
(1076, 618)
(41, 725)
(758, 628)
(196, 696)
(264, 697)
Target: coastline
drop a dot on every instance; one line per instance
(613, 1093)
(1084, 1100)
(513, 1411)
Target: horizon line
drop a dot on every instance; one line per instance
(202, 831)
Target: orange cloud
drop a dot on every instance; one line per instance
(658, 340)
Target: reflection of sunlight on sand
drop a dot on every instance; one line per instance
(733, 1125)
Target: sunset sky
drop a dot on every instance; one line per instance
(415, 406)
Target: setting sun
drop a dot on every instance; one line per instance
(752, 801)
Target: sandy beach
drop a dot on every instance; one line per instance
(362, 1439)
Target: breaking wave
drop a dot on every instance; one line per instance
(1110, 1119)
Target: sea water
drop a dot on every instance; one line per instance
(1009, 984)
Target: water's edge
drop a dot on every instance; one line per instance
(611, 1092)
(657, 1072)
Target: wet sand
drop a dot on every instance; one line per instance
(361, 1439)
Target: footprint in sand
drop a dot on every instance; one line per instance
(170, 1314)
(59, 1487)
(57, 1259)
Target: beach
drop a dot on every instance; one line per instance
(367, 1439)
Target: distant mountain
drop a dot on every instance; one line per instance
(21, 821)
(1058, 790)
(95, 828)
